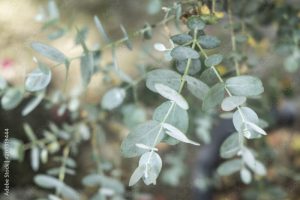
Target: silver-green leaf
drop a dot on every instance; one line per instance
(231, 102)
(49, 52)
(244, 86)
(172, 95)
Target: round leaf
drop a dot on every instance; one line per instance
(38, 79)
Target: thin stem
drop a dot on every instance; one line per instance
(233, 42)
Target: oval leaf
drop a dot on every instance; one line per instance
(49, 52)
(213, 60)
(11, 98)
(38, 79)
(183, 53)
(244, 86)
(163, 76)
(231, 102)
(113, 98)
(177, 134)
(172, 95)
(214, 97)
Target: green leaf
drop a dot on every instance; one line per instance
(244, 86)
(35, 158)
(229, 167)
(172, 95)
(197, 87)
(86, 68)
(231, 102)
(230, 147)
(101, 29)
(248, 158)
(183, 53)
(177, 134)
(38, 79)
(256, 128)
(146, 134)
(47, 182)
(49, 52)
(209, 77)
(181, 39)
(163, 76)
(209, 42)
(11, 99)
(137, 175)
(245, 176)
(213, 97)
(195, 66)
(69, 193)
(213, 60)
(33, 104)
(248, 115)
(177, 117)
(259, 168)
(153, 165)
(113, 98)
(133, 115)
(195, 22)
(16, 149)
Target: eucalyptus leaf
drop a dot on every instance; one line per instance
(69, 193)
(47, 182)
(163, 76)
(244, 85)
(35, 158)
(33, 104)
(87, 68)
(146, 134)
(38, 79)
(11, 98)
(49, 52)
(195, 66)
(172, 95)
(113, 98)
(209, 42)
(256, 128)
(246, 176)
(153, 165)
(197, 87)
(177, 117)
(101, 29)
(231, 102)
(213, 97)
(229, 167)
(230, 147)
(137, 175)
(195, 22)
(181, 39)
(177, 134)
(248, 115)
(213, 60)
(183, 53)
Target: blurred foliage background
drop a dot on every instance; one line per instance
(271, 52)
